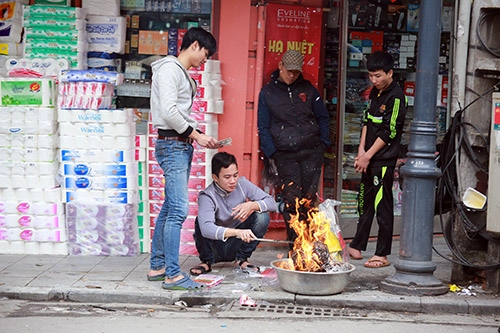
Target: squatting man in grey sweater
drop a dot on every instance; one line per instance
(232, 213)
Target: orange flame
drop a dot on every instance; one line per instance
(312, 230)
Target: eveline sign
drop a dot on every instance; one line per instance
(290, 27)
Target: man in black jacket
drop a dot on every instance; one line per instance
(378, 151)
(294, 132)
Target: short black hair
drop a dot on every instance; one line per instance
(203, 37)
(379, 60)
(222, 160)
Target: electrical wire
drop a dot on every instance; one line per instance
(485, 14)
(457, 141)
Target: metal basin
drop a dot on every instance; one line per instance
(310, 283)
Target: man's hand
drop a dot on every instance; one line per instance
(245, 235)
(361, 162)
(243, 210)
(205, 141)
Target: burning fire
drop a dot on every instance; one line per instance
(316, 248)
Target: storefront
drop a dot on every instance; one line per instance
(335, 36)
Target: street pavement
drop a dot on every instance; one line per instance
(110, 279)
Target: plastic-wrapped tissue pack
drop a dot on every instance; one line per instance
(102, 229)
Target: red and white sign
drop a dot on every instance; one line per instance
(290, 27)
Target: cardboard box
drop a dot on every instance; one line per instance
(376, 37)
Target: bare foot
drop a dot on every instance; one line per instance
(175, 279)
(377, 262)
(202, 268)
(354, 254)
(153, 272)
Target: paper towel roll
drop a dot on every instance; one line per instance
(65, 116)
(32, 248)
(18, 168)
(5, 155)
(52, 194)
(46, 247)
(107, 116)
(23, 193)
(8, 193)
(47, 168)
(47, 127)
(31, 140)
(37, 194)
(32, 155)
(125, 142)
(5, 181)
(45, 113)
(77, 115)
(12, 220)
(68, 129)
(120, 116)
(5, 140)
(46, 155)
(47, 181)
(108, 142)
(5, 169)
(17, 247)
(33, 181)
(58, 248)
(18, 181)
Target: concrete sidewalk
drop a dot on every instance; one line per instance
(93, 279)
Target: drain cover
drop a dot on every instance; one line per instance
(298, 310)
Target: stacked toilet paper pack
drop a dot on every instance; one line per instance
(57, 32)
(98, 168)
(31, 212)
(102, 229)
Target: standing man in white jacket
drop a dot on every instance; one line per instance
(172, 93)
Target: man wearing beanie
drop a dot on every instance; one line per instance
(294, 133)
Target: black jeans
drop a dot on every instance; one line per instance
(212, 251)
(299, 173)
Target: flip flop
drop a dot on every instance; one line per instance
(201, 269)
(355, 258)
(183, 284)
(376, 263)
(249, 268)
(159, 277)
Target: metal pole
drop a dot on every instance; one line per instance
(414, 266)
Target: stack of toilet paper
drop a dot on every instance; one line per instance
(106, 33)
(29, 224)
(103, 229)
(31, 213)
(56, 32)
(97, 155)
(209, 88)
(11, 28)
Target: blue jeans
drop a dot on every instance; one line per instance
(212, 251)
(175, 159)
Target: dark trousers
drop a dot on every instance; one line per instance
(375, 197)
(213, 251)
(299, 174)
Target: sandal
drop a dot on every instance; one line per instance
(201, 269)
(183, 284)
(376, 263)
(249, 268)
(159, 277)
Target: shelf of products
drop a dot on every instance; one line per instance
(154, 29)
(375, 25)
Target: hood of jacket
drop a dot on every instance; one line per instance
(157, 64)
